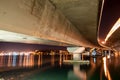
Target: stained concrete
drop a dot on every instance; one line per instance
(83, 14)
(42, 19)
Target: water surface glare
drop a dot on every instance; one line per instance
(48, 67)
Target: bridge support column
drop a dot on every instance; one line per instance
(76, 56)
(52, 58)
(77, 52)
(109, 53)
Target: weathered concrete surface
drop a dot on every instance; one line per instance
(40, 19)
(83, 14)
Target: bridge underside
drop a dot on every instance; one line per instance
(41, 22)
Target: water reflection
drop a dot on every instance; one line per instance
(98, 69)
(80, 74)
(95, 63)
(52, 58)
(106, 71)
(28, 59)
(19, 59)
(94, 59)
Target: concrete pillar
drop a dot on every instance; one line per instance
(109, 54)
(52, 57)
(105, 53)
(60, 62)
(76, 56)
(76, 51)
(66, 56)
(41, 61)
(71, 56)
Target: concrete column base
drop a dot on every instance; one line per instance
(76, 56)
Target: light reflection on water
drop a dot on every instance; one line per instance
(80, 74)
(100, 68)
(106, 71)
(17, 61)
(28, 59)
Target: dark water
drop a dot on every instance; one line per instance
(50, 68)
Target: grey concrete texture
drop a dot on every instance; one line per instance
(83, 14)
(42, 19)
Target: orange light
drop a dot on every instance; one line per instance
(106, 70)
(114, 28)
(103, 42)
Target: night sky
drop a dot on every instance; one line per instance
(8, 46)
(111, 13)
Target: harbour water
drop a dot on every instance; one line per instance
(48, 67)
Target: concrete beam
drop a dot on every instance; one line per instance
(40, 19)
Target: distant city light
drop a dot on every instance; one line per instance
(108, 56)
(17, 53)
(103, 42)
(114, 28)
